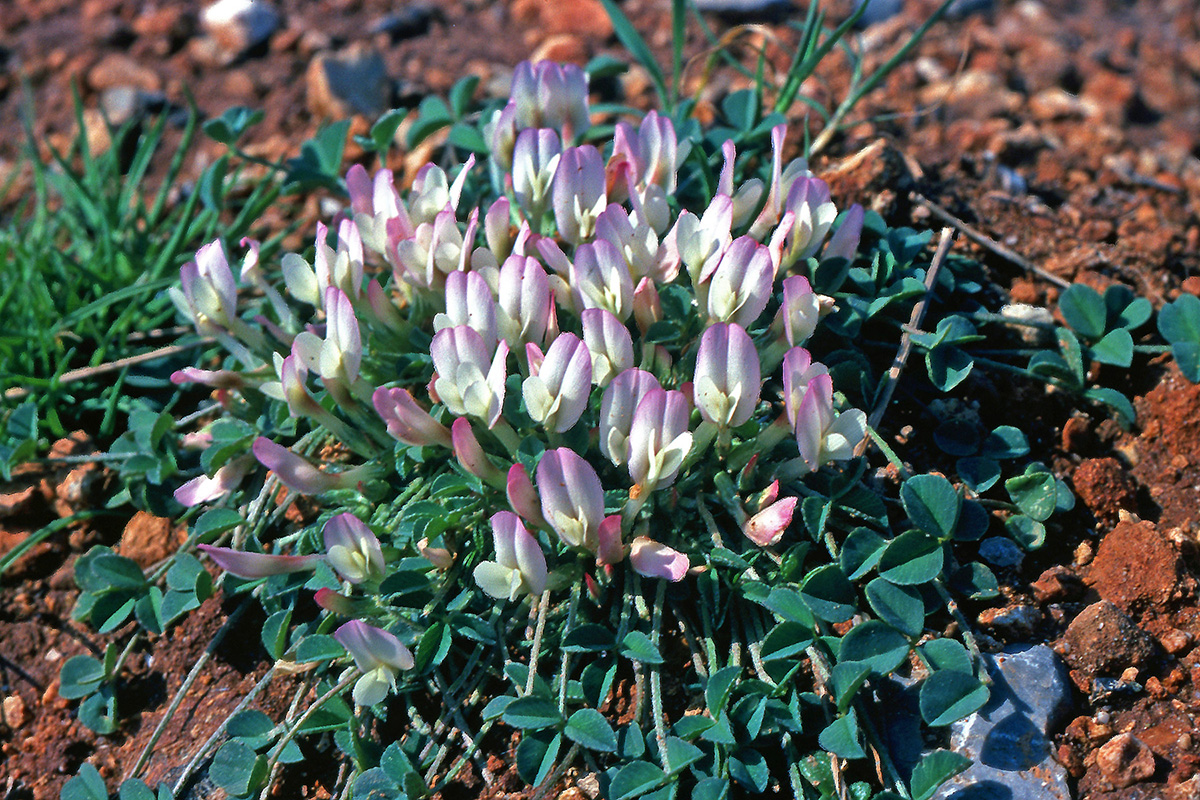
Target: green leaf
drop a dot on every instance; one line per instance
(681, 754)
(118, 572)
(786, 640)
(934, 770)
(1179, 322)
(467, 137)
(432, 647)
(589, 728)
(860, 552)
(957, 437)
(1124, 309)
(1035, 493)
(1005, 442)
(711, 789)
(948, 654)
(274, 633)
(80, 676)
(133, 789)
(829, 595)
(462, 93)
(846, 679)
(976, 581)
(230, 126)
(318, 647)
(589, 638)
(98, 712)
(1072, 353)
(237, 769)
(1126, 415)
(636, 646)
(876, 644)
(536, 755)
(932, 504)
(980, 474)
(912, 558)
(532, 713)
(1115, 348)
(383, 132)
(718, 687)
(376, 784)
(1025, 531)
(689, 727)
(1084, 310)
(789, 605)
(900, 606)
(741, 109)
(948, 366)
(87, 785)
(635, 779)
(949, 695)
(496, 706)
(214, 522)
(748, 767)
(605, 66)
(252, 727)
(842, 737)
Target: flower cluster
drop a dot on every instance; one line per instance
(591, 345)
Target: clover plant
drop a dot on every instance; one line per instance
(581, 423)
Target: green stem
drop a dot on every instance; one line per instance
(539, 629)
(656, 707)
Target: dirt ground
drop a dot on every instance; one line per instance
(1064, 131)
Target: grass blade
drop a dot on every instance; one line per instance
(638, 48)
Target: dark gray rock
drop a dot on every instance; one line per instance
(745, 7)
(879, 11)
(405, 23)
(1009, 738)
(1001, 552)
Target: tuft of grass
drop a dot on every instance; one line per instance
(86, 259)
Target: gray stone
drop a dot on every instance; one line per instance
(1001, 552)
(1009, 738)
(878, 11)
(240, 25)
(353, 82)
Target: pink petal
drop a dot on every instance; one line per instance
(654, 560)
(258, 565)
(767, 526)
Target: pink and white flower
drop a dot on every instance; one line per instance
(466, 383)
(620, 400)
(658, 439)
(520, 565)
(557, 389)
(353, 550)
(572, 497)
(727, 381)
(379, 655)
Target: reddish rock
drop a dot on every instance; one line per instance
(1136, 567)
(148, 539)
(119, 70)
(1055, 585)
(580, 17)
(1103, 641)
(565, 48)
(1105, 487)
(1124, 760)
